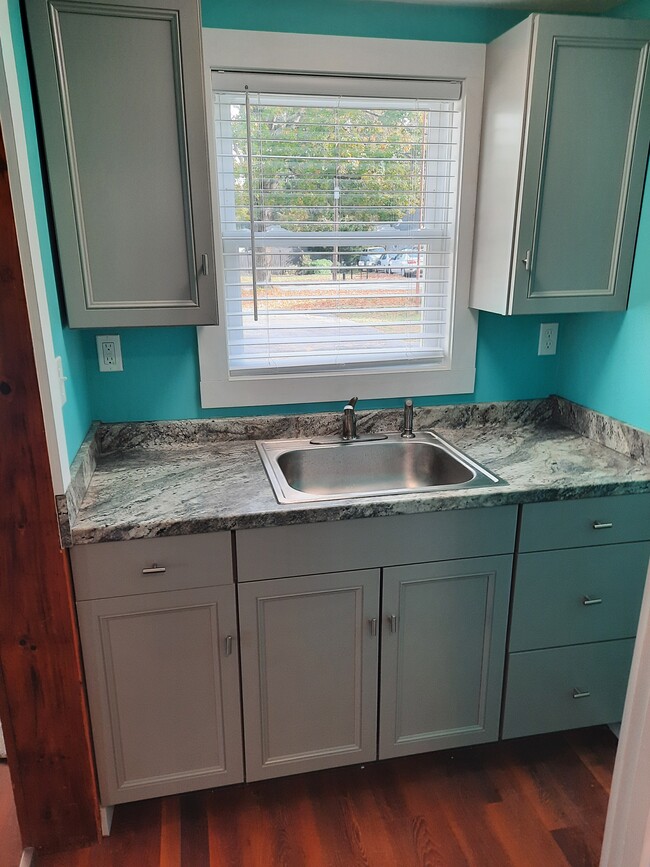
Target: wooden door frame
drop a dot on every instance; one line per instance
(42, 698)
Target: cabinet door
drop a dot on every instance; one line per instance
(163, 687)
(120, 87)
(443, 644)
(309, 652)
(584, 165)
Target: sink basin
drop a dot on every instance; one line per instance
(309, 471)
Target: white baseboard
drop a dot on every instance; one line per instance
(106, 816)
(28, 858)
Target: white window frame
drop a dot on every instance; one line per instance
(351, 55)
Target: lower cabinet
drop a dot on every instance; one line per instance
(309, 655)
(443, 644)
(343, 664)
(163, 686)
(579, 580)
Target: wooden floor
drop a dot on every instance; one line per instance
(538, 802)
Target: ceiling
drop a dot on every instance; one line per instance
(589, 6)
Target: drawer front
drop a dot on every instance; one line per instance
(305, 549)
(542, 685)
(151, 565)
(576, 523)
(579, 595)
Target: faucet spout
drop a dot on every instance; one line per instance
(407, 430)
(349, 430)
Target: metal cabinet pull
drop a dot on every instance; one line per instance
(602, 525)
(155, 569)
(587, 600)
(579, 693)
(373, 626)
(526, 260)
(204, 264)
(228, 645)
(392, 619)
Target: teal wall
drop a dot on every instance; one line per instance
(161, 376)
(161, 373)
(77, 413)
(362, 18)
(605, 358)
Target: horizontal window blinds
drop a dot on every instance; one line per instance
(338, 224)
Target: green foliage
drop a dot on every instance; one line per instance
(302, 155)
(309, 265)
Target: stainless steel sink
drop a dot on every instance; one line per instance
(308, 471)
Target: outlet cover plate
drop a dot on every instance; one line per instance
(109, 352)
(547, 338)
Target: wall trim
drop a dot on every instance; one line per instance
(25, 216)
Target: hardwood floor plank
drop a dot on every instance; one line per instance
(434, 841)
(354, 809)
(594, 746)
(515, 822)
(575, 848)
(170, 833)
(466, 815)
(194, 830)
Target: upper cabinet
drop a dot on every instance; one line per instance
(120, 88)
(566, 128)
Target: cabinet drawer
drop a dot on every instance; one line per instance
(281, 552)
(542, 683)
(576, 523)
(120, 568)
(557, 592)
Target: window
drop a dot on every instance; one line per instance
(339, 213)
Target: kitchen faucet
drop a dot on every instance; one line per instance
(407, 429)
(349, 430)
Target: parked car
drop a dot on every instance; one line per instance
(385, 261)
(406, 263)
(370, 257)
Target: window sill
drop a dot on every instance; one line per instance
(265, 391)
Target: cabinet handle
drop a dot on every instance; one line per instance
(392, 619)
(579, 693)
(228, 645)
(587, 600)
(373, 626)
(204, 264)
(155, 569)
(602, 525)
(526, 260)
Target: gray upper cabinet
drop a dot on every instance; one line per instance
(443, 641)
(121, 96)
(566, 129)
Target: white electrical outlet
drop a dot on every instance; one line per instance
(547, 338)
(62, 379)
(109, 352)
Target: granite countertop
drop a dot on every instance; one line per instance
(160, 479)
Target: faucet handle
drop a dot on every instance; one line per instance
(352, 403)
